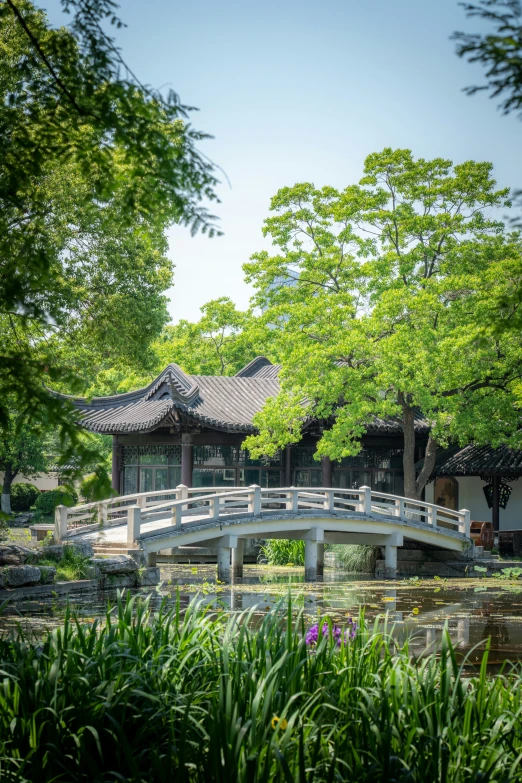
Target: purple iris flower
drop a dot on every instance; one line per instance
(312, 635)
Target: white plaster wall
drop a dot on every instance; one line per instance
(471, 496)
(44, 481)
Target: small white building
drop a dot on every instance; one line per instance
(485, 480)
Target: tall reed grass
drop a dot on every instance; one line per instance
(284, 551)
(193, 696)
(358, 558)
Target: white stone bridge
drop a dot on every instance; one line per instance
(156, 521)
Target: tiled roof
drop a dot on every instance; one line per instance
(260, 367)
(391, 427)
(478, 461)
(220, 402)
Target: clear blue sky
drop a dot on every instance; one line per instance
(303, 91)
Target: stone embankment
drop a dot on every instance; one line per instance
(21, 572)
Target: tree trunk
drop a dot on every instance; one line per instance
(408, 457)
(427, 468)
(413, 485)
(6, 489)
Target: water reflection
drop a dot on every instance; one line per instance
(473, 615)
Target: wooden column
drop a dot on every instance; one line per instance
(288, 466)
(187, 459)
(495, 511)
(116, 464)
(327, 471)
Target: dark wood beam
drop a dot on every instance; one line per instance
(187, 459)
(495, 511)
(116, 464)
(327, 471)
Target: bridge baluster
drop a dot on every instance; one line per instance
(214, 508)
(466, 521)
(365, 503)
(133, 524)
(177, 511)
(102, 514)
(432, 517)
(254, 500)
(399, 508)
(293, 499)
(181, 492)
(60, 523)
(329, 500)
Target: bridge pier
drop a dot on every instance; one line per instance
(223, 563)
(311, 556)
(390, 561)
(320, 559)
(314, 554)
(237, 559)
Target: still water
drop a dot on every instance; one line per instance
(474, 611)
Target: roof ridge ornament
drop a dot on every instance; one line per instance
(183, 388)
(252, 368)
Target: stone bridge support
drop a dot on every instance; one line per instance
(225, 546)
(314, 554)
(237, 559)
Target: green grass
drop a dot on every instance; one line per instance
(282, 551)
(70, 567)
(191, 696)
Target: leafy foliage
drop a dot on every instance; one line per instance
(22, 451)
(88, 488)
(214, 345)
(383, 299)
(23, 496)
(93, 167)
(222, 342)
(61, 496)
(500, 51)
(160, 694)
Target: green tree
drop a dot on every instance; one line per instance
(390, 311)
(214, 345)
(71, 109)
(22, 452)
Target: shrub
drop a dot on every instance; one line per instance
(282, 551)
(86, 488)
(61, 496)
(23, 496)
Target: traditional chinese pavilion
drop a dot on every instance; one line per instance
(190, 428)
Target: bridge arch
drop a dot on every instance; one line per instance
(161, 520)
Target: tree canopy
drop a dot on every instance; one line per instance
(381, 299)
(93, 167)
(499, 51)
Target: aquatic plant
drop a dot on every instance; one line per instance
(192, 696)
(312, 635)
(359, 558)
(282, 551)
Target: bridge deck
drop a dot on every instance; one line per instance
(190, 517)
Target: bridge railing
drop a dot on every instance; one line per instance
(182, 505)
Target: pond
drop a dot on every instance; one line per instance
(474, 610)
